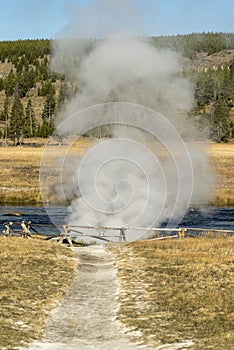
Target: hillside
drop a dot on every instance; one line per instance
(31, 95)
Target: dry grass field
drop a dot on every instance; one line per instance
(170, 291)
(177, 291)
(222, 157)
(19, 171)
(34, 276)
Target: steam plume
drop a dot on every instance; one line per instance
(128, 183)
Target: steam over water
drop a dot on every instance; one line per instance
(137, 94)
(215, 218)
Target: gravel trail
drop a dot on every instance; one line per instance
(86, 318)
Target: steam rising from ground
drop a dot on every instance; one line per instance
(120, 182)
(126, 69)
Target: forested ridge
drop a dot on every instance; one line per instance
(31, 95)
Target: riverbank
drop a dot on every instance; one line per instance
(19, 172)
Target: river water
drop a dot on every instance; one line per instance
(215, 218)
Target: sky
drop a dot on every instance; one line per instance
(33, 19)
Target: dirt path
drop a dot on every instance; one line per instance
(86, 318)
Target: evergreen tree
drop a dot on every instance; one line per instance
(47, 88)
(38, 131)
(221, 123)
(16, 120)
(63, 95)
(25, 82)
(30, 122)
(10, 84)
(4, 116)
(46, 129)
(214, 88)
(49, 108)
(1, 84)
(5, 111)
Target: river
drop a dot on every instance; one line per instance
(215, 218)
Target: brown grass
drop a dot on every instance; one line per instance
(222, 157)
(34, 276)
(19, 171)
(180, 290)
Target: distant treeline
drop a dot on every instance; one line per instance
(188, 45)
(31, 95)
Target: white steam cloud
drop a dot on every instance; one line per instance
(120, 182)
(126, 69)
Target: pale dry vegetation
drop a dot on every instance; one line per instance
(19, 171)
(222, 157)
(20, 166)
(34, 276)
(19, 174)
(177, 291)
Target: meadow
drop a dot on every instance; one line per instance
(19, 171)
(35, 274)
(176, 291)
(222, 157)
(170, 291)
